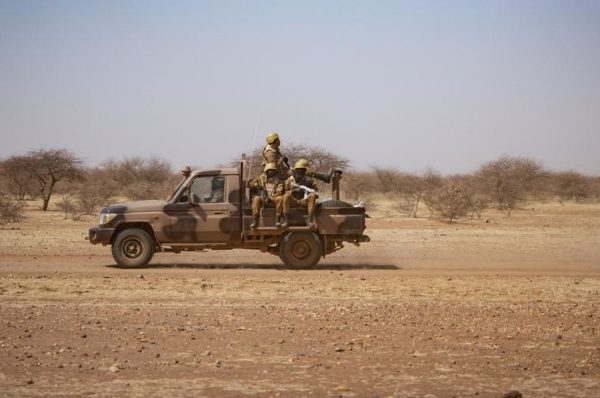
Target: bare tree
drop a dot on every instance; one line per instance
(18, 177)
(509, 179)
(49, 166)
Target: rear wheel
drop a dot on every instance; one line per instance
(300, 249)
(133, 247)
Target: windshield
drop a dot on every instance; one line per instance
(181, 185)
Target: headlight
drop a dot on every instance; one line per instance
(105, 218)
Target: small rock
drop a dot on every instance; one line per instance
(141, 276)
(114, 368)
(513, 394)
(218, 363)
(339, 349)
(83, 336)
(30, 381)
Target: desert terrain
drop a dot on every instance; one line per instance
(427, 309)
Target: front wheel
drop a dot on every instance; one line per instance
(300, 249)
(133, 247)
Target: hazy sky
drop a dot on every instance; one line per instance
(409, 84)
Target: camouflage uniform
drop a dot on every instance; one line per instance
(295, 196)
(272, 193)
(217, 190)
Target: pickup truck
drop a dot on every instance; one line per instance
(196, 218)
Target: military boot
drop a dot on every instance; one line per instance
(278, 220)
(254, 223)
(284, 221)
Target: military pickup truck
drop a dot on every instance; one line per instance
(210, 210)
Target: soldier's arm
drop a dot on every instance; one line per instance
(288, 184)
(323, 177)
(254, 183)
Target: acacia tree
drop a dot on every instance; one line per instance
(508, 179)
(49, 166)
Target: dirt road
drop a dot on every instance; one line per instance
(427, 309)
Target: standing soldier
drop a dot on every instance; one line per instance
(301, 190)
(271, 188)
(272, 154)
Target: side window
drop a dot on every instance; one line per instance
(208, 189)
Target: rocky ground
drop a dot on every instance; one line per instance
(427, 309)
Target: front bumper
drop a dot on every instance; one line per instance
(98, 234)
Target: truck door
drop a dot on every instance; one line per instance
(204, 214)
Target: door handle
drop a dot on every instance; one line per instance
(218, 212)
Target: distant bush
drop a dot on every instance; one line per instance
(508, 180)
(71, 208)
(570, 185)
(10, 210)
(140, 178)
(450, 201)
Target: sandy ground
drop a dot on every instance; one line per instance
(427, 309)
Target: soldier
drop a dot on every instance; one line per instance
(272, 154)
(271, 186)
(217, 190)
(301, 190)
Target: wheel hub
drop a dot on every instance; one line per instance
(132, 248)
(301, 250)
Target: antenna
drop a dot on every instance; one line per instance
(253, 145)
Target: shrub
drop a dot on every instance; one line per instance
(10, 210)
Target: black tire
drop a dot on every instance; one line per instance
(334, 203)
(300, 249)
(133, 247)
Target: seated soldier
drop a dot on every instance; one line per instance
(301, 190)
(271, 188)
(217, 190)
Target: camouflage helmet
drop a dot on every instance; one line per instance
(270, 166)
(301, 164)
(272, 137)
